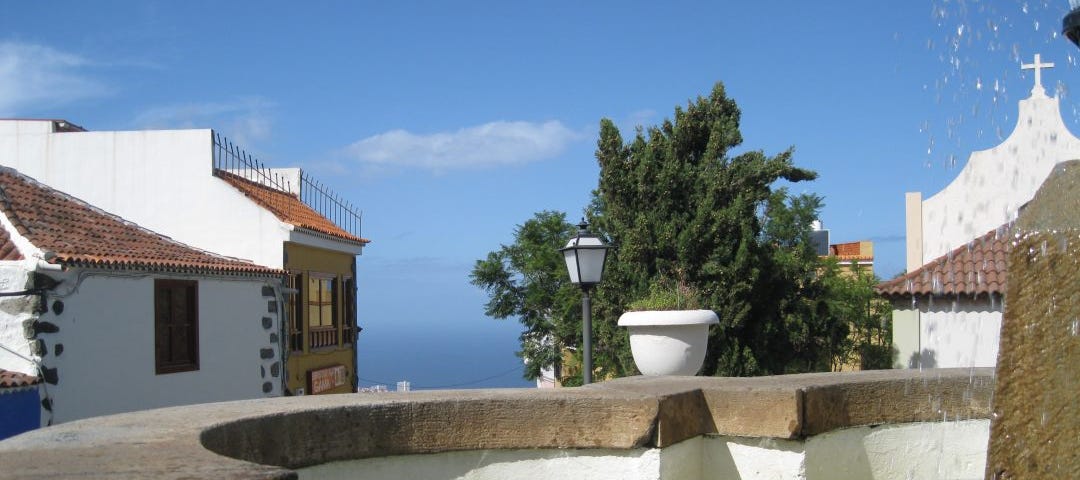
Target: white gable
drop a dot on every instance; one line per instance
(995, 183)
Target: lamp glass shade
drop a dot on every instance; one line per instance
(585, 257)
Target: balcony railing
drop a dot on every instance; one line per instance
(229, 157)
(322, 337)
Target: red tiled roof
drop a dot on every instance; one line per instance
(9, 379)
(975, 268)
(288, 208)
(82, 235)
(848, 258)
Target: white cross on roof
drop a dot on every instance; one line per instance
(1037, 90)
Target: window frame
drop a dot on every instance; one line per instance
(322, 337)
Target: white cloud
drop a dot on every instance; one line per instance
(33, 75)
(245, 121)
(488, 145)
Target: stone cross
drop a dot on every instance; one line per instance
(1037, 90)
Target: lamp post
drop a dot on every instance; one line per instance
(586, 255)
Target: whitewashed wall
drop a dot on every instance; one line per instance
(960, 333)
(994, 183)
(955, 449)
(160, 179)
(107, 329)
(15, 354)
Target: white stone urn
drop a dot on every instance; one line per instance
(669, 342)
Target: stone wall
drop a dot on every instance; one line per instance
(271, 438)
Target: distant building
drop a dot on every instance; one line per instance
(849, 255)
(853, 255)
(112, 317)
(199, 189)
(947, 308)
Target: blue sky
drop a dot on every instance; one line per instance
(449, 123)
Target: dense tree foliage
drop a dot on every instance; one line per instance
(680, 205)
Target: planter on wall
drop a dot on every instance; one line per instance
(669, 342)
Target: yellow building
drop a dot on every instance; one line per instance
(320, 304)
(853, 255)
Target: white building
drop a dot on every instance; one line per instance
(947, 308)
(116, 318)
(199, 189)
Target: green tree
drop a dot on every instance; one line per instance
(527, 280)
(853, 302)
(679, 204)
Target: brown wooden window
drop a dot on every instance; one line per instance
(294, 307)
(322, 293)
(348, 324)
(176, 325)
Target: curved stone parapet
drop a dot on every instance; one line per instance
(268, 438)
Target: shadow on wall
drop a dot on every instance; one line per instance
(924, 359)
(727, 457)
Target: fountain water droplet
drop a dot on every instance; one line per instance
(1074, 327)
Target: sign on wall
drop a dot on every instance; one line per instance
(324, 379)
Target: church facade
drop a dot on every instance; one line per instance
(947, 307)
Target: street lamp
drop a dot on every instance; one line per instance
(585, 257)
(1070, 25)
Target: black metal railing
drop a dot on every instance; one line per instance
(230, 158)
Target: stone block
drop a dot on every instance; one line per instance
(37, 347)
(266, 353)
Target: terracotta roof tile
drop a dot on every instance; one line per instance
(8, 250)
(287, 207)
(975, 268)
(82, 235)
(9, 379)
